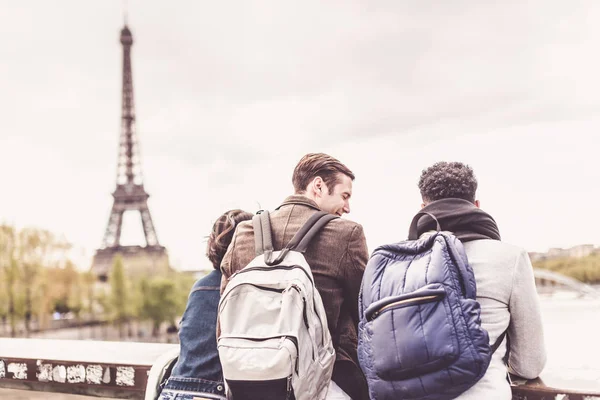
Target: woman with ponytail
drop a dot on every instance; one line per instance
(198, 374)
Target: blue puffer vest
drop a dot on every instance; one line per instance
(420, 334)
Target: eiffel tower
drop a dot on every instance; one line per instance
(129, 193)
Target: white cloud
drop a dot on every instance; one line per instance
(229, 99)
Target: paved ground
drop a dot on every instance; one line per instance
(10, 394)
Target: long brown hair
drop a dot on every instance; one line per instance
(222, 233)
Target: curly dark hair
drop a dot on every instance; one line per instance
(222, 233)
(448, 180)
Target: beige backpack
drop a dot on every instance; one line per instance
(274, 337)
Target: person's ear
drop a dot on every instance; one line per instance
(477, 204)
(318, 185)
(422, 205)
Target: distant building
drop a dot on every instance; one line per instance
(579, 251)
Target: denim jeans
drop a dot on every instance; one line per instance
(168, 394)
(198, 369)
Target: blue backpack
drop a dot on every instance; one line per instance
(420, 334)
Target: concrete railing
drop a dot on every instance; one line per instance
(544, 278)
(93, 368)
(121, 370)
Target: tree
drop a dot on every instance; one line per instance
(43, 298)
(89, 280)
(3, 301)
(74, 290)
(160, 302)
(184, 284)
(36, 249)
(119, 298)
(8, 263)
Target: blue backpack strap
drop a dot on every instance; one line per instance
(497, 344)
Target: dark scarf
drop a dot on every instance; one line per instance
(461, 217)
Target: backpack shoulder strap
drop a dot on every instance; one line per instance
(497, 343)
(495, 346)
(315, 223)
(302, 238)
(263, 243)
(413, 233)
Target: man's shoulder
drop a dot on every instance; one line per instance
(344, 226)
(494, 249)
(339, 233)
(495, 245)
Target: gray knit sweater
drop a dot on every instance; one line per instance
(508, 298)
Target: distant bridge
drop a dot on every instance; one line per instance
(548, 279)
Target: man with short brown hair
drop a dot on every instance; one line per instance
(337, 257)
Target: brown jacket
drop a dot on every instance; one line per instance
(337, 257)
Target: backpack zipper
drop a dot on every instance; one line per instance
(304, 314)
(425, 299)
(270, 289)
(295, 341)
(286, 267)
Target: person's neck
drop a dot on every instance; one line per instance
(306, 195)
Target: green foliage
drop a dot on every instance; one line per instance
(118, 286)
(119, 298)
(37, 278)
(42, 298)
(585, 269)
(3, 296)
(88, 280)
(37, 249)
(103, 300)
(75, 297)
(8, 264)
(184, 283)
(160, 302)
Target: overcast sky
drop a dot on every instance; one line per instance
(230, 95)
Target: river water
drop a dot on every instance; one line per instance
(571, 327)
